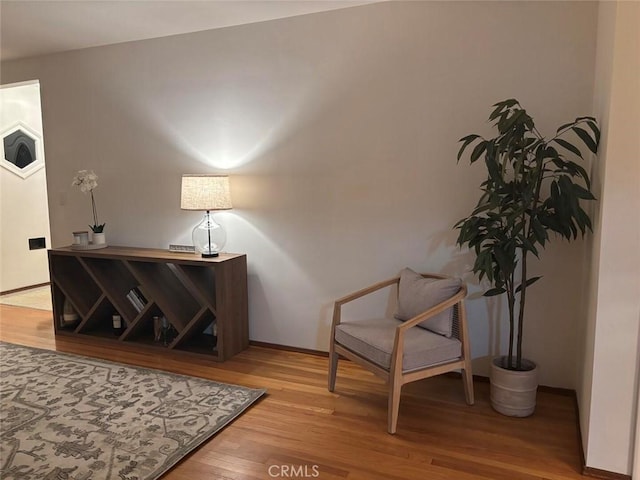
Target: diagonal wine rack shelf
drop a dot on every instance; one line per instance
(204, 300)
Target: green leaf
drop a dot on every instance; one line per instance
(588, 141)
(568, 146)
(528, 282)
(477, 151)
(584, 222)
(505, 261)
(466, 141)
(496, 113)
(506, 103)
(528, 246)
(594, 128)
(493, 292)
(582, 172)
(562, 127)
(509, 122)
(582, 192)
(552, 223)
(482, 208)
(539, 231)
(555, 191)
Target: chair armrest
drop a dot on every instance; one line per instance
(436, 309)
(401, 330)
(353, 296)
(366, 291)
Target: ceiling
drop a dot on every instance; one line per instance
(31, 28)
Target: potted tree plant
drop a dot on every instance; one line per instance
(531, 190)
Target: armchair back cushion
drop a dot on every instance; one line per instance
(417, 294)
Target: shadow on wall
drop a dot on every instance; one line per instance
(259, 302)
(460, 263)
(485, 313)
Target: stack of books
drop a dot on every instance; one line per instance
(137, 299)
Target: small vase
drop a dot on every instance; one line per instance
(99, 238)
(69, 316)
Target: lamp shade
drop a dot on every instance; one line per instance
(205, 192)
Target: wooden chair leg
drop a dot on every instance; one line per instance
(467, 379)
(333, 367)
(394, 405)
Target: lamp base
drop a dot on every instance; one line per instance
(208, 237)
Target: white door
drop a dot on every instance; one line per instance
(24, 209)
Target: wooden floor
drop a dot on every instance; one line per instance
(300, 428)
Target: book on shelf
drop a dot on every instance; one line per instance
(137, 291)
(135, 301)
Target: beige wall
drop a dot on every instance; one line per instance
(609, 361)
(340, 132)
(24, 212)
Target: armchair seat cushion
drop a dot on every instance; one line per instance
(373, 339)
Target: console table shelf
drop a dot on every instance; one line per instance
(197, 296)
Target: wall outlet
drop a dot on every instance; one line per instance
(37, 243)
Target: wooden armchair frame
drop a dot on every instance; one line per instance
(395, 376)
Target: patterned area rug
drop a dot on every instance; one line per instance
(75, 418)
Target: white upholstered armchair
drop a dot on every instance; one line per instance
(427, 336)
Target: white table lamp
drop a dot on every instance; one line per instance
(206, 192)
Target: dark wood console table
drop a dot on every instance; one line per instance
(199, 297)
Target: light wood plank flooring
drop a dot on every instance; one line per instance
(342, 435)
